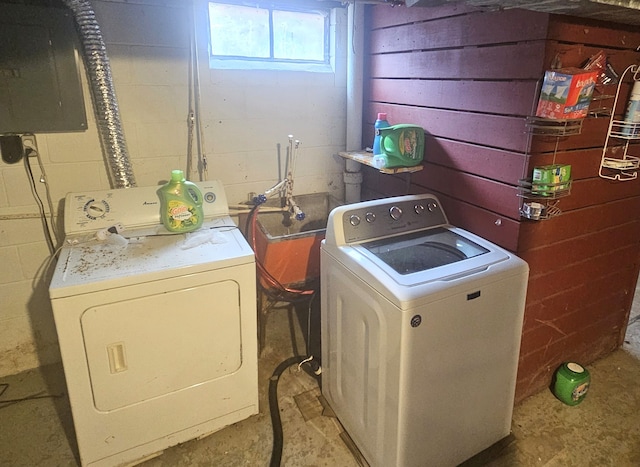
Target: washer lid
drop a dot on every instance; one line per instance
(422, 251)
(430, 258)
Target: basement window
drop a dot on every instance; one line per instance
(269, 35)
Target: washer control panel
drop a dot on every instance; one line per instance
(375, 219)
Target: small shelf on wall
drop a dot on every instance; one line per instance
(549, 191)
(538, 212)
(550, 127)
(621, 135)
(629, 163)
(540, 200)
(366, 158)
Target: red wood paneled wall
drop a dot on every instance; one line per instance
(470, 78)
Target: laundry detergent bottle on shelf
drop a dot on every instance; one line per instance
(381, 122)
(180, 204)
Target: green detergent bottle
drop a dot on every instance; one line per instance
(402, 145)
(180, 204)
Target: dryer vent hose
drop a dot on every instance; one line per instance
(104, 96)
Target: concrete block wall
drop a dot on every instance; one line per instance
(245, 115)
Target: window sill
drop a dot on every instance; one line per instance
(218, 64)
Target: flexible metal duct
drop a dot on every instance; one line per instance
(104, 97)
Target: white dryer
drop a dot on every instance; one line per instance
(157, 331)
(421, 325)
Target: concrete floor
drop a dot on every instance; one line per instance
(603, 430)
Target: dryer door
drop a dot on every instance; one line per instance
(153, 345)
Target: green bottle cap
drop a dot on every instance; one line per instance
(177, 176)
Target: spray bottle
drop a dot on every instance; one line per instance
(180, 204)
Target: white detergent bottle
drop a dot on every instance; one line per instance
(180, 204)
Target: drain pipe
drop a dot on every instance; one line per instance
(353, 170)
(104, 96)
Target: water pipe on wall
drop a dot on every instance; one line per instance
(352, 175)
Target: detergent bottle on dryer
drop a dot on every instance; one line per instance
(180, 204)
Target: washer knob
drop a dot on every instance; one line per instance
(432, 206)
(354, 220)
(395, 212)
(418, 208)
(370, 217)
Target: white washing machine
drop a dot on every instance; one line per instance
(421, 326)
(157, 331)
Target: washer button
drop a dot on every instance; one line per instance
(395, 212)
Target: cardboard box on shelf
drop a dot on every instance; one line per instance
(549, 179)
(566, 93)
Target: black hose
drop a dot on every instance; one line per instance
(276, 423)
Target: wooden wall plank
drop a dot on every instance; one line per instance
(513, 61)
(550, 331)
(576, 55)
(548, 307)
(585, 163)
(497, 97)
(495, 228)
(583, 31)
(596, 191)
(552, 282)
(461, 31)
(578, 222)
(593, 135)
(499, 131)
(491, 163)
(550, 257)
(383, 16)
(487, 194)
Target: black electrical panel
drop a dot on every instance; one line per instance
(40, 87)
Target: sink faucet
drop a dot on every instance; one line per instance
(285, 186)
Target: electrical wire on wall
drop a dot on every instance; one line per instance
(48, 219)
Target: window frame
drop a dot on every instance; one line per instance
(244, 62)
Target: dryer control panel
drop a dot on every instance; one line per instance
(131, 207)
(369, 220)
